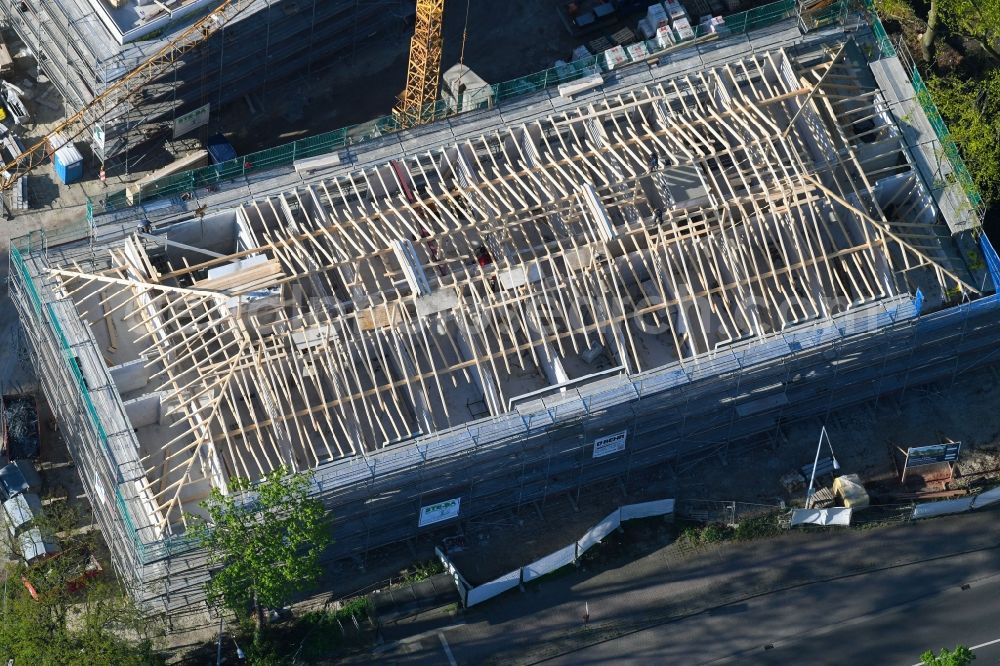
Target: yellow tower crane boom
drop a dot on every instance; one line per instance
(416, 104)
(122, 90)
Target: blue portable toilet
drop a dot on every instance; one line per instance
(66, 159)
(219, 149)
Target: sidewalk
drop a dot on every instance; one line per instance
(547, 619)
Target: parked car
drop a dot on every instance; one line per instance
(20, 512)
(17, 478)
(36, 546)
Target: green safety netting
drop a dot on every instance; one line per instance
(327, 142)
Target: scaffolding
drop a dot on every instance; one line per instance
(78, 48)
(190, 181)
(676, 264)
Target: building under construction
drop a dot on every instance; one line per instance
(517, 302)
(84, 46)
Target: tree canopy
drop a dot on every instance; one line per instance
(98, 627)
(972, 111)
(72, 619)
(960, 656)
(265, 538)
(975, 19)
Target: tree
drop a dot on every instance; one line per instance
(100, 627)
(72, 618)
(927, 39)
(960, 656)
(266, 537)
(975, 19)
(972, 111)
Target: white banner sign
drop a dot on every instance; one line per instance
(435, 513)
(191, 120)
(99, 137)
(99, 489)
(605, 446)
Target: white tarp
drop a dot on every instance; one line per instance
(931, 509)
(494, 587)
(599, 531)
(550, 563)
(647, 509)
(989, 497)
(826, 517)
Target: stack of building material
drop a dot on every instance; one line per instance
(665, 37)
(713, 24)
(676, 11)
(623, 37)
(581, 53)
(599, 45)
(6, 62)
(615, 57)
(192, 160)
(655, 17)
(697, 7)
(15, 107)
(19, 194)
(11, 147)
(243, 275)
(683, 29)
(637, 51)
(851, 491)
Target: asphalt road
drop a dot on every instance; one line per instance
(880, 596)
(887, 617)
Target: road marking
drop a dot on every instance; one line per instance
(974, 647)
(451, 657)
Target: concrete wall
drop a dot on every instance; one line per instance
(216, 232)
(144, 410)
(130, 376)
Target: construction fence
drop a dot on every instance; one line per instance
(845, 517)
(328, 142)
(706, 511)
(569, 554)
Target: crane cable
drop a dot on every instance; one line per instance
(465, 34)
(461, 57)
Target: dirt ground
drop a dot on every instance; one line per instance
(503, 41)
(864, 439)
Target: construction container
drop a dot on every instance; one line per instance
(68, 164)
(219, 149)
(66, 159)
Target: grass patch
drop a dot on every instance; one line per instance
(318, 636)
(759, 527)
(422, 571)
(764, 526)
